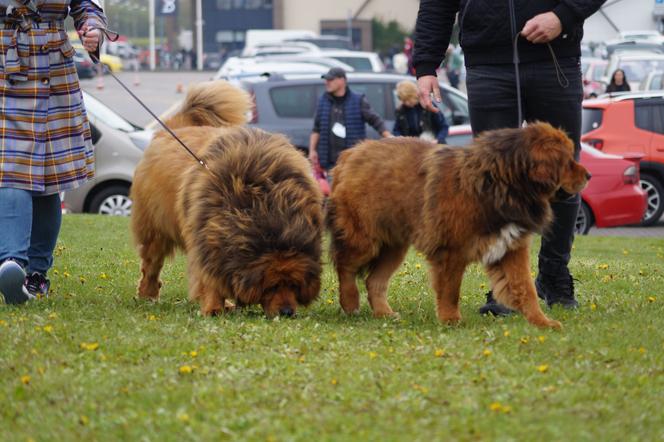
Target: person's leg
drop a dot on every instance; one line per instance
(492, 104)
(559, 104)
(46, 221)
(15, 226)
(492, 98)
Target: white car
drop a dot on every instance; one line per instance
(636, 65)
(241, 66)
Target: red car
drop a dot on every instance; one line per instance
(613, 196)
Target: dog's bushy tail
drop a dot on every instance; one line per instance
(212, 103)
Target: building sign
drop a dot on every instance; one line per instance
(167, 7)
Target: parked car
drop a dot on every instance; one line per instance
(654, 81)
(632, 123)
(119, 145)
(287, 103)
(636, 66)
(613, 196)
(642, 35)
(235, 66)
(325, 41)
(84, 66)
(593, 72)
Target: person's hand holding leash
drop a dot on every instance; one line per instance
(90, 38)
(428, 84)
(542, 28)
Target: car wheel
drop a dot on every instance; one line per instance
(654, 194)
(113, 200)
(584, 219)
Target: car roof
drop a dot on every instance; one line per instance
(279, 79)
(605, 99)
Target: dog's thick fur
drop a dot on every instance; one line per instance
(251, 225)
(456, 205)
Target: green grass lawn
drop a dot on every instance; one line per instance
(93, 363)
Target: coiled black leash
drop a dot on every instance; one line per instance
(113, 36)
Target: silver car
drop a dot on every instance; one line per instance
(119, 146)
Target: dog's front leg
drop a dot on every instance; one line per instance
(446, 275)
(513, 286)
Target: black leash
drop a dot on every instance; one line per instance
(113, 36)
(563, 81)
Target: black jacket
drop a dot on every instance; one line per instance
(485, 30)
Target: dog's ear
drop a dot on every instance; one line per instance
(309, 289)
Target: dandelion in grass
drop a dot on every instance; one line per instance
(193, 353)
(593, 306)
(48, 329)
(334, 382)
(506, 333)
(525, 340)
(652, 299)
(543, 368)
(330, 301)
(186, 369)
(103, 276)
(541, 339)
(487, 352)
(25, 379)
(373, 355)
(83, 420)
(418, 266)
(439, 353)
(89, 346)
(183, 417)
(603, 266)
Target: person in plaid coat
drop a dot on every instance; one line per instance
(45, 140)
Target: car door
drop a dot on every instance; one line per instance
(649, 116)
(293, 107)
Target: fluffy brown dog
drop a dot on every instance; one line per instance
(251, 225)
(456, 205)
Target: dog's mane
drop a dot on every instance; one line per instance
(493, 171)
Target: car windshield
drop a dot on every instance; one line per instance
(636, 70)
(98, 111)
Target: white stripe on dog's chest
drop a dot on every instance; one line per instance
(507, 236)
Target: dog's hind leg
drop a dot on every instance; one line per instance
(446, 276)
(377, 282)
(513, 286)
(152, 253)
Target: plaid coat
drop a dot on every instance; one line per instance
(45, 140)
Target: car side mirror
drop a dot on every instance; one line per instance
(96, 133)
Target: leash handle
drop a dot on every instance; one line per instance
(168, 129)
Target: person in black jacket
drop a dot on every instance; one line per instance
(411, 120)
(618, 82)
(546, 36)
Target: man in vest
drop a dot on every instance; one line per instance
(340, 120)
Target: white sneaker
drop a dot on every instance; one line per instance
(12, 280)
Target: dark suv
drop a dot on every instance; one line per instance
(287, 103)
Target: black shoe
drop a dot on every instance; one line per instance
(557, 290)
(492, 306)
(37, 284)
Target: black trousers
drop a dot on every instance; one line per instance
(546, 96)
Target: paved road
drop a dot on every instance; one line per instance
(159, 91)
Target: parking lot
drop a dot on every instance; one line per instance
(162, 91)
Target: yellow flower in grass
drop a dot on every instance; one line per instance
(593, 306)
(103, 276)
(487, 352)
(541, 338)
(652, 299)
(48, 329)
(186, 369)
(330, 301)
(334, 382)
(83, 420)
(603, 266)
(183, 417)
(525, 340)
(25, 379)
(82, 279)
(439, 353)
(506, 333)
(418, 266)
(543, 368)
(497, 407)
(152, 318)
(193, 353)
(89, 346)
(373, 355)
(3, 323)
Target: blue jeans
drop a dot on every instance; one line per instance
(29, 227)
(492, 103)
